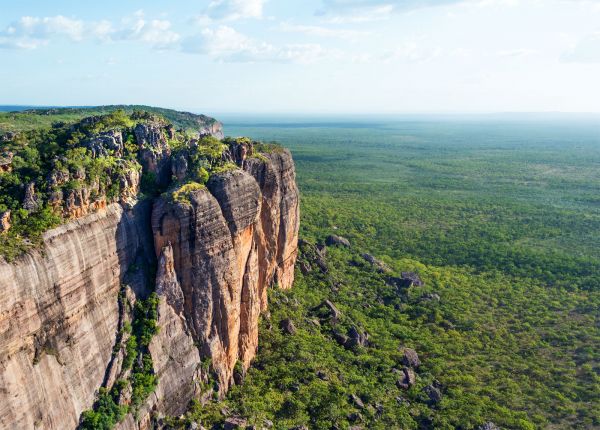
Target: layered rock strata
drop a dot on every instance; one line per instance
(216, 254)
(230, 241)
(58, 319)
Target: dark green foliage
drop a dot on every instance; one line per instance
(37, 154)
(107, 412)
(16, 121)
(149, 184)
(143, 381)
(144, 327)
(145, 317)
(130, 352)
(499, 220)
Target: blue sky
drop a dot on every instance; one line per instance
(310, 56)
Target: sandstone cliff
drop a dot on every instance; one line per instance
(64, 310)
(230, 241)
(58, 319)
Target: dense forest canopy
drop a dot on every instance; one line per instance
(501, 222)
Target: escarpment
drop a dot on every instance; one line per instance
(158, 273)
(58, 319)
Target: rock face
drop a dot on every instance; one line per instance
(6, 161)
(230, 241)
(105, 143)
(215, 254)
(154, 150)
(4, 221)
(58, 319)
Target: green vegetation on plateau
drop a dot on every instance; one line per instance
(55, 163)
(43, 156)
(37, 118)
(500, 219)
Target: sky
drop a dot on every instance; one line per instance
(304, 56)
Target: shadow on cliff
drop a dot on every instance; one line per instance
(138, 269)
(137, 260)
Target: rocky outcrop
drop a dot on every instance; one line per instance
(277, 233)
(31, 201)
(167, 284)
(107, 143)
(176, 362)
(333, 240)
(216, 250)
(5, 221)
(6, 161)
(154, 150)
(230, 241)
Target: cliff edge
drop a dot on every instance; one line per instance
(148, 292)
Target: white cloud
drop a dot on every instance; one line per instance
(157, 33)
(520, 52)
(102, 30)
(587, 50)
(357, 14)
(34, 32)
(319, 31)
(352, 11)
(226, 44)
(411, 52)
(230, 10)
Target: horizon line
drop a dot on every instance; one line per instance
(306, 113)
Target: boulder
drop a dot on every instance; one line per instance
(407, 379)
(6, 161)
(488, 426)
(378, 264)
(340, 338)
(356, 401)
(305, 267)
(4, 221)
(406, 280)
(356, 338)
(321, 263)
(322, 375)
(334, 240)
(413, 278)
(288, 327)
(410, 358)
(234, 423)
(430, 297)
(434, 394)
(31, 201)
(332, 312)
(355, 417)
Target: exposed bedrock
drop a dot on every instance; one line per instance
(59, 316)
(230, 242)
(215, 256)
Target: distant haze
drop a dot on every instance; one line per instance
(314, 56)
